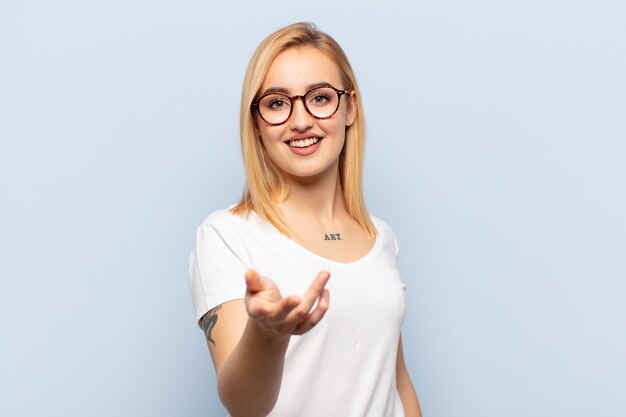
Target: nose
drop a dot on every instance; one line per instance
(301, 120)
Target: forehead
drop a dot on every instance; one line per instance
(297, 68)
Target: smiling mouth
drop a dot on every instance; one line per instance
(303, 143)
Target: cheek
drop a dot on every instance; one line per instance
(342, 114)
(263, 131)
(335, 126)
(270, 137)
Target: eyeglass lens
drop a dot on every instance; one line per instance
(321, 102)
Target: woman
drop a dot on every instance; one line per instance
(301, 220)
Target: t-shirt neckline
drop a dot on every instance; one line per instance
(370, 254)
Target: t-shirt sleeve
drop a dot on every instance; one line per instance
(217, 265)
(396, 246)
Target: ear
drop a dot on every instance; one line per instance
(352, 108)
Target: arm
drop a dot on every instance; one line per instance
(405, 386)
(248, 340)
(248, 362)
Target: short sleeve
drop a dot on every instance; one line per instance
(396, 246)
(217, 265)
(396, 249)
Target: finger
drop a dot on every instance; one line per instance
(254, 283)
(317, 314)
(256, 307)
(284, 307)
(274, 312)
(270, 306)
(269, 313)
(324, 300)
(311, 295)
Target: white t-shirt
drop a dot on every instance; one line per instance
(346, 365)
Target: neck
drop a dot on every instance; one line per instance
(320, 197)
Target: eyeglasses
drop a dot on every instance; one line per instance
(320, 102)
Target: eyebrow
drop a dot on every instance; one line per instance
(283, 90)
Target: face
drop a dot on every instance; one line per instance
(304, 146)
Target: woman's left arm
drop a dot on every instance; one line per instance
(405, 387)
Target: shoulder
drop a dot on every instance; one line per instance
(382, 227)
(218, 262)
(237, 231)
(219, 228)
(221, 217)
(385, 233)
(225, 221)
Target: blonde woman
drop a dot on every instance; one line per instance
(296, 286)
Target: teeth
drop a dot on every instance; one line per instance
(303, 143)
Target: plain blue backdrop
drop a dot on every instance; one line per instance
(496, 150)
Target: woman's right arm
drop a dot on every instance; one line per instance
(248, 340)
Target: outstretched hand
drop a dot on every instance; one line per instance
(291, 315)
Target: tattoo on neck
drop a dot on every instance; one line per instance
(332, 236)
(207, 323)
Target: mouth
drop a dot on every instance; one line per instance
(304, 142)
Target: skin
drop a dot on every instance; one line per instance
(248, 338)
(296, 70)
(315, 206)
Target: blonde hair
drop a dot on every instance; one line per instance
(265, 184)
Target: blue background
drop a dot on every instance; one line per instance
(496, 150)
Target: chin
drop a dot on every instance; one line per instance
(310, 173)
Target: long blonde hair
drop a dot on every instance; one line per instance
(265, 184)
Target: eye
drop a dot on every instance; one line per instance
(275, 102)
(319, 99)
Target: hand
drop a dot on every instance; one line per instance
(286, 316)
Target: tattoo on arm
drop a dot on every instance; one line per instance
(207, 323)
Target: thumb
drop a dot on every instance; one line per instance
(253, 281)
